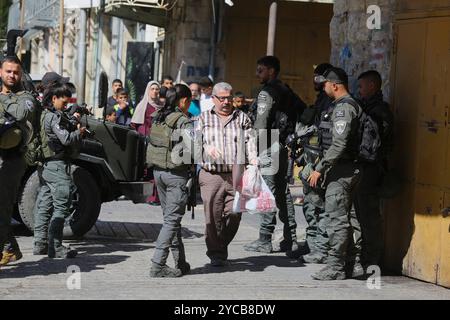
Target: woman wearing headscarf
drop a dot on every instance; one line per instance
(142, 122)
(142, 117)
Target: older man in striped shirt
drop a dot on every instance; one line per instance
(227, 139)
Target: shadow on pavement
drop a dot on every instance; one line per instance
(133, 230)
(92, 255)
(46, 266)
(88, 247)
(253, 264)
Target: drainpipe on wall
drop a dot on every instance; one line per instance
(272, 28)
(98, 53)
(156, 61)
(119, 51)
(212, 52)
(82, 56)
(61, 37)
(114, 47)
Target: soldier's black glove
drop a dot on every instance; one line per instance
(291, 140)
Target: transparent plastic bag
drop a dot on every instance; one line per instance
(264, 202)
(250, 185)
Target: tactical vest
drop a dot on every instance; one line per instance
(51, 148)
(161, 144)
(326, 130)
(46, 152)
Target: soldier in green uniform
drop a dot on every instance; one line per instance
(338, 169)
(42, 217)
(314, 202)
(61, 141)
(273, 113)
(171, 129)
(17, 109)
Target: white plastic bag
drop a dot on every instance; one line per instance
(263, 203)
(251, 182)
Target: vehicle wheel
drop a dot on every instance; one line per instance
(27, 198)
(85, 208)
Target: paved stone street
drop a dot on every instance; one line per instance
(114, 260)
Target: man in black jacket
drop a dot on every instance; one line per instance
(367, 200)
(275, 112)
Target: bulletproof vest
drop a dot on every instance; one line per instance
(51, 147)
(326, 130)
(313, 115)
(45, 149)
(161, 144)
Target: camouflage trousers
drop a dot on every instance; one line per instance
(173, 195)
(54, 200)
(342, 224)
(317, 219)
(279, 187)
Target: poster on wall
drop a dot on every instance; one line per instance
(139, 69)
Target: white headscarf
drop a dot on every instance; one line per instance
(139, 113)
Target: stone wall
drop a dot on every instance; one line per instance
(188, 41)
(355, 47)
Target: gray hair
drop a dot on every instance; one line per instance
(222, 86)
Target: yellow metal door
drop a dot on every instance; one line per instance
(443, 278)
(421, 100)
(425, 249)
(431, 154)
(399, 216)
(432, 117)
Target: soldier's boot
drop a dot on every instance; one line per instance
(184, 267)
(181, 263)
(11, 251)
(329, 273)
(263, 244)
(358, 270)
(295, 250)
(55, 246)
(314, 257)
(164, 271)
(40, 248)
(10, 256)
(298, 250)
(286, 245)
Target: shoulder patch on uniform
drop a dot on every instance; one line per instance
(340, 126)
(340, 113)
(30, 105)
(263, 96)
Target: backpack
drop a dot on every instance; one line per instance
(368, 140)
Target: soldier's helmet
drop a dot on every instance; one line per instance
(12, 135)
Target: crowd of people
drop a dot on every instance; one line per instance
(219, 132)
